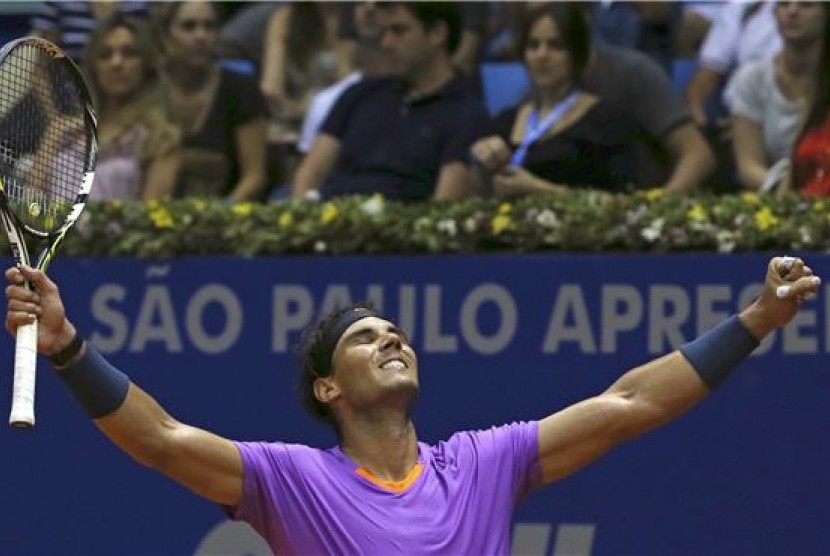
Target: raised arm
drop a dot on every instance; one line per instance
(657, 392)
(201, 461)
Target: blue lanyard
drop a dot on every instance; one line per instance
(535, 129)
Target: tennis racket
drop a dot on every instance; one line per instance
(48, 150)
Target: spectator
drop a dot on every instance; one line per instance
(139, 155)
(742, 32)
(650, 27)
(811, 156)
(243, 34)
(766, 97)
(369, 61)
(70, 24)
(221, 114)
(300, 58)
(406, 136)
(671, 150)
(563, 137)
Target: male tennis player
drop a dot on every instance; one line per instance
(380, 491)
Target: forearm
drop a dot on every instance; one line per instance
(693, 160)
(248, 188)
(702, 87)
(752, 174)
(656, 393)
(123, 412)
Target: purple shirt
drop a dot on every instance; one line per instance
(304, 500)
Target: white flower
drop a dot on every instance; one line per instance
(320, 246)
(726, 241)
(470, 225)
(653, 231)
(806, 235)
(373, 206)
(548, 219)
(448, 225)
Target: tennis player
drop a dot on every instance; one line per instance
(380, 491)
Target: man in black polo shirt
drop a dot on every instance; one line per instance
(406, 136)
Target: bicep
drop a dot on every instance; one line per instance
(207, 464)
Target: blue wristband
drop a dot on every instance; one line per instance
(97, 385)
(716, 353)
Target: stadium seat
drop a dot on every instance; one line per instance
(503, 84)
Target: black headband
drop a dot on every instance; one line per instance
(333, 333)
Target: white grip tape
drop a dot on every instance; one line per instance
(25, 364)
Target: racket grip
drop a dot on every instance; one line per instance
(25, 364)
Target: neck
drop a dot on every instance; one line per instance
(189, 78)
(799, 60)
(431, 78)
(387, 448)
(546, 99)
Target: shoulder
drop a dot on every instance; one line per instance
(483, 443)
(277, 455)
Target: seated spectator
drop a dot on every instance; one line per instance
(70, 24)
(406, 136)
(810, 174)
(243, 35)
(562, 137)
(369, 61)
(650, 27)
(671, 150)
(742, 32)
(300, 57)
(766, 96)
(138, 155)
(220, 114)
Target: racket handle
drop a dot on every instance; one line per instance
(25, 364)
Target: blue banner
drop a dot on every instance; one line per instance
(499, 337)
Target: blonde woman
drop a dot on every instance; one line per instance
(139, 154)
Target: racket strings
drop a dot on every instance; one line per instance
(44, 145)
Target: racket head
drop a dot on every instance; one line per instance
(48, 141)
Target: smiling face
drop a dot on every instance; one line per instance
(548, 61)
(374, 366)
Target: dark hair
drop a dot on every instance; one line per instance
(431, 14)
(573, 28)
(144, 43)
(314, 361)
(819, 104)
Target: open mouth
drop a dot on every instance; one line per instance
(394, 364)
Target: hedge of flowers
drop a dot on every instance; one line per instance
(579, 220)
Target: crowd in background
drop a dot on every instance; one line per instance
(256, 101)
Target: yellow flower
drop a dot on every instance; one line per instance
(329, 214)
(654, 194)
(500, 223)
(697, 212)
(199, 204)
(505, 208)
(153, 204)
(750, 197)
(243, 209)
(161, 218)
(285, 220)
(819, 205)
(765, 219)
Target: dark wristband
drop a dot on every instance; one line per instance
(715, 354)
(64, 356)
(96, 384)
